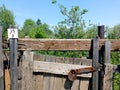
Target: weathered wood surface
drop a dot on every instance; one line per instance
(1, 63)
(7, 79)
(85, 82)
(48, 81)
(60, 82)
(63, 44)
(27, 72)
(95, 82)
(58, 68)
(107, 51)
(108, 77)
(38, 77)
(59, 78)
(49, 77)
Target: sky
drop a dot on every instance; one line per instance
(102, 12)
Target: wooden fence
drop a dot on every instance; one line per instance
(49, 81)
(29, 71)
(43, 72)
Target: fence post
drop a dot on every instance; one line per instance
(101, 57)
(101, 32)
(13, 58)
(1, 63)
(108, 76)
(95, 63)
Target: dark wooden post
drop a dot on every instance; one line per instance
(101, 57)
(95, 63)
(101, 32)
(1, 63)
(13, 58)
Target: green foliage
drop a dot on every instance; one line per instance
(38, 32)
(115, 57)
(6, 19)
(114, 33)
(72, 54)
(29, 25)
(116, 81)
(73, 24)
(35, 30)
(91, 32)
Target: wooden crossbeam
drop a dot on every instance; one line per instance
(63, 44)
(58, 68)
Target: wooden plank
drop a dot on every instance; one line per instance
(58, 81)
(38, 85)
(54, 44)
(107, 51)
(84, 82)
(108, 77)
(13, 64)
(76, 82)
(7, 79)
(48, 77)
(95, 63)
(27, 72)
(52, 76)
(1, 63)
(67, 83)
(57, 68)
(64, 44)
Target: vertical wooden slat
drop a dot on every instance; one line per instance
(58, 78)
(107, 51)
(20, 70)
(108, 78)
(95, 63)
(67, 84)
(48, 78)
(13, 64)
(108, 69)
(1, 63)
(7, 79)
(38, 85)
(76, 82)
(27, 73)
(84, 82)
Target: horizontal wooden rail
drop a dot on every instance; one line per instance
(63, 44)
(58, 68)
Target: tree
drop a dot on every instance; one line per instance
(73, 24)
(29, 24)
(91, 32)
(38, 22)
(35, 29)
(39, 32)
(6, 18)
(114, 33)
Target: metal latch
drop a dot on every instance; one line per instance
(72, 75)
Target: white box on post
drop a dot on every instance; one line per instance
(12, 33)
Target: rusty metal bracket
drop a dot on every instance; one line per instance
(72, 75)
